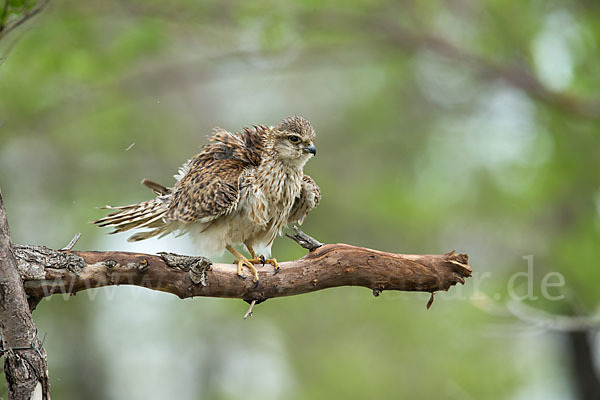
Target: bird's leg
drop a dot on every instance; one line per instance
(241, 260)
(261, 259)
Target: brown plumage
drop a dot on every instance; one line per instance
(243, 188)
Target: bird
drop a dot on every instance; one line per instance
(242, 189)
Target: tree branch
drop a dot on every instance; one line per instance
(6, 29)
(45, 272)
(309, 243)
(25, 359)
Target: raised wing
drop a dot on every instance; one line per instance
(309, 198)
(210, 186)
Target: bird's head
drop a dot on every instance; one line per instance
(293, 141)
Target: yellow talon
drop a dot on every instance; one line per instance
(249, 262)
(274, 263)
(250, 266)
(256, 259)
(243, 261)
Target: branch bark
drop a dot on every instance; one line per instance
(46, 272)
(25, 359)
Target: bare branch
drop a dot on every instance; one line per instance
(47, 271)
(249, 312)
(304, 240)
(73, 242)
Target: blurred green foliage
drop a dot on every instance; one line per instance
(440, 125)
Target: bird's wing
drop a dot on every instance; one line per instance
(210, 186)
(309, 198)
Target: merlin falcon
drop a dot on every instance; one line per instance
(242, 189)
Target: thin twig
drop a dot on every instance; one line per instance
(430, 302)
(249, 312)
(304, 240)
(28, 15)
(72, 243)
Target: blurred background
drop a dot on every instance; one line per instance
(457, 124)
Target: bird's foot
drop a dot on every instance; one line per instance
(262, 260)
(273, 262)
(244, 262)
(257, 260)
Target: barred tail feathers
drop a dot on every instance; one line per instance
(148, 214)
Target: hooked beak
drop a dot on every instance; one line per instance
(311, 149)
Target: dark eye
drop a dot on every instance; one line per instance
(294, 139)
